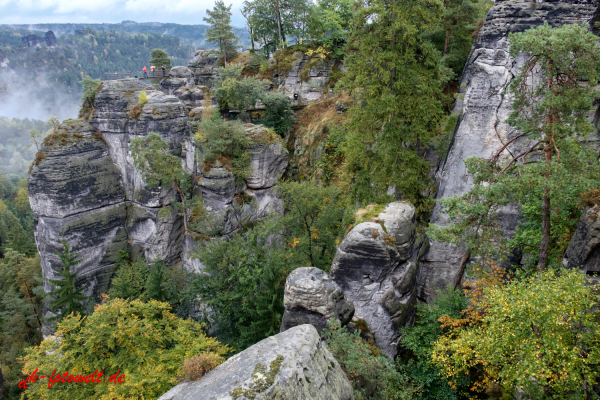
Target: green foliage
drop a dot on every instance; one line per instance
(312, 219)
(159, 57)
(89, 87)
(538, 334)
(21, 307)
(235, 92)
(140, 280)
(418, 341)
(243, 284)
(227, 142)
(142, 98)
(145, 341)
(278, 113)
(67, 297)
(159, 167)
(442, 141)
(372, 377)
(392, 118)
(221, 33)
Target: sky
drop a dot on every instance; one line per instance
(112, 11)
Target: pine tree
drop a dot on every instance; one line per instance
(220, 32)
(160, 58)
(394, 74)
(68, 297)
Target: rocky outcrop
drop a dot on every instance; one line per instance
(311, 86)
(294, 364)
(482, 128)
(311, 297)
(376, 266)
(584, 248)
(84, 187)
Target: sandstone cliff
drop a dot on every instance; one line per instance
(482, 128)
(84, 187)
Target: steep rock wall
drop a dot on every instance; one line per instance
(482, 128)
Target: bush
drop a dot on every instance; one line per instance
(235, 92)
(278, 113)
(145, 341)
(372, 377)
(142, 98)
(196, 367)
(89, 87)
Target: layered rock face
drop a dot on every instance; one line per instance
(86, 189)
(482, 128)
(376, 266)
(309, 90)
(295, 365)
(311, 297)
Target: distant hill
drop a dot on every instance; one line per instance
(193, 33)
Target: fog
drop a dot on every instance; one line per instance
(24, 96)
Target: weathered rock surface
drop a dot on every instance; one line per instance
(584, 249)
(308, 371)
(86, 189)
(312, 89)
(311, 297)
(376, 265)
(482, 128)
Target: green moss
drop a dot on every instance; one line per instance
(369, 212)
(262, 379)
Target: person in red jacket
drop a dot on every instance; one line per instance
(145, 72)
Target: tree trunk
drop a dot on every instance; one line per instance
(543, 255)
(447, 40)
(279, 23)
(461, 270)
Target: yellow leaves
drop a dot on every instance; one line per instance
(294, 243)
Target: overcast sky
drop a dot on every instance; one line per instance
(96, 11)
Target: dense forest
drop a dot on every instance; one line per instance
(195, 34)
(16, 147)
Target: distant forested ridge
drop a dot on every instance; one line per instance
(193, 33)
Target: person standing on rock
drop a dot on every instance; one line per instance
(145, 72)
(152, 68)
(164, 71)
(295, 98)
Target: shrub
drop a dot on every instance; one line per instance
(135, 111)
(372, 377)
(142, 98)
(89, 87)
(145, 341)
(278, 113)
(196, 367)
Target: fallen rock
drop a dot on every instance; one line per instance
(294, 364)
(376, 265)
(311, 297)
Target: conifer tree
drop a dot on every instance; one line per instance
(68, 297)
(160, 58)
(394, 74)
(220, 32)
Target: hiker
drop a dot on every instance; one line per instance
(295, 98)
(145, 72)
(152, 68)
(164, 70)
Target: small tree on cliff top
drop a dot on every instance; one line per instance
(553, 94)
(220, 32)
(160, 58)
(68, 296)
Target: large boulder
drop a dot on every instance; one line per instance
(311, 297)
(584, 249)
(291, 365)
(376, 266)
(482, 128)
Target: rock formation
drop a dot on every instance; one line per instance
(311, 297)
(294, 364)
(84, 187)
(584, 249)
(310, 88)
(482, 128)
(376, 265)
